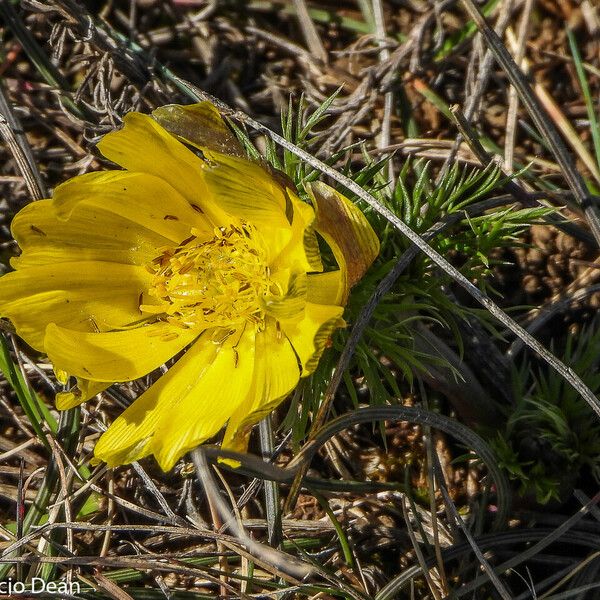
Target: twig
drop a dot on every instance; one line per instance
(311, 35)
(429, 450)
(500, 588)
(513, 98)
(282, 562)
(388, 99)
(23, 157)
(273, 512)
(420, 558)
(473, 98)
(150, 486)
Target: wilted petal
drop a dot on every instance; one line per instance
(346, 230)
(199, 125)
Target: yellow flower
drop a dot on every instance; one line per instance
(195, 252)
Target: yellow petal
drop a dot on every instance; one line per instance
(326, 288)
(302, 249)
(227, 381)
(185, 407)
(201, 126)
(117, 355)
(291, 305)
(143, 145)
(346, 230)
(85, 296)
(82, 392)
(131, 434)
(310, 335)
(276, 374)
(244, 189)
(140, 198)
(99, 229)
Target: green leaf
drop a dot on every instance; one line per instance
(32, 405)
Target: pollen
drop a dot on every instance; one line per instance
(211, 281)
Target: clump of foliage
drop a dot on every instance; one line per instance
(419, 293)
(471, 226)
(552, 437)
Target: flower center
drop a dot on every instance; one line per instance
(213, 282)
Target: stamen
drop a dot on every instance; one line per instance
(211, 282)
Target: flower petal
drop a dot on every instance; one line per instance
(85, 296)
(276, 374)
(302, 249)
(116, 355)
(244, 189)
(82, 392)
(309, 336)
(140, 198)
(346, 230)
(326, 288)
(200, 125)
(143, 145)
(114, 217)
(291, 305)
(186, 406)
(93, 234)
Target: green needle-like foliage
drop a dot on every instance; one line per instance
(551, 437)
(419, 293)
